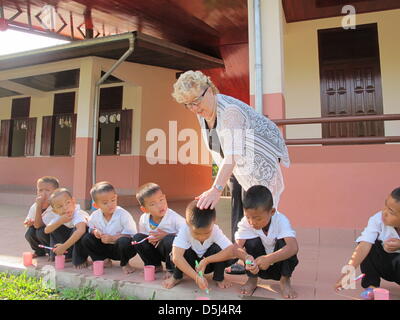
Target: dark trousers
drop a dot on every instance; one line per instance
(255, 248)
(380, 264)
(237, 193)
(35, 237)
(152, 255)
(77, 252)
(121, 251)
(218, 268)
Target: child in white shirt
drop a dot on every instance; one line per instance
(111, 229)
(160, 223)
(67, 228)
(200, 242)
(266, 242)
(39, 215)
(378, 250)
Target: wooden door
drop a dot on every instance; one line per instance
(351, 89)
(350, 78)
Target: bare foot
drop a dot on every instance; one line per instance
(224, 284)
(128, 269)
(159, 269)
(107, 263)
(83, 265)
(286, 288)
(249, 287)
(170, 282)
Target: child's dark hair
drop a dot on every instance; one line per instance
(258, 197)
(100, 187)
(58, 192)
(51, 180)
(396, 194)
(145, 191)
(199, 218)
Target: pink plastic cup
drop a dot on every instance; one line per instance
(27, 258)
(202, 298)
(149, 273)
(381, 294)
(60, 262)
(98, 268)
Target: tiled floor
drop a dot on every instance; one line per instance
(322, 254)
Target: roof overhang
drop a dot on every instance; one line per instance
(147, 50)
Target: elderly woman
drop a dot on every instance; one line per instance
(241, 141)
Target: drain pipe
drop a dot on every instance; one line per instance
(258, 57)
(97, 103)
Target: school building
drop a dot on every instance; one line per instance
(327, 77)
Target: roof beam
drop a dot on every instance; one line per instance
(25, 90)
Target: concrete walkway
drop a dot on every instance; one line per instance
(322, 254)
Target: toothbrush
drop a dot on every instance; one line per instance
(201, 275)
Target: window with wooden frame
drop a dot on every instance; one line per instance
(17, 135)
(115, 124)
(59, 130)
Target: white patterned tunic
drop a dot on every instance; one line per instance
(254, 140)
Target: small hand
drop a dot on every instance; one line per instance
(157, 235)
(391, 245)
(28, 223)
(253, 268)
(202, 266)
(339, 284)
(208, 199)
(263, 262)
(107, 239)
(202, 282)
(97, 233)
(42, 201)
(59, 249)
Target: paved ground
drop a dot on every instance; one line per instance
(322, 253)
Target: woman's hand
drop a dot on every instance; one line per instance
(208, 199)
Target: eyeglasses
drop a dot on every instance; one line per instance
(196, 101)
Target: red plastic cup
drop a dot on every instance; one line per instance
(381, 294)
(27, 258)
(98, 268)
(149, 273)
(60, 262)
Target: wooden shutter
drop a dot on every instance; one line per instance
(73, 135)
(125, 135)
(47, 129)
(5, 137)
(30, 137)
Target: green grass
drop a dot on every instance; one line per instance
(23, 287)
(90, 293)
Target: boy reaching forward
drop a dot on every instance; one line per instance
(266, 240)
(378, 250)
(201, 240)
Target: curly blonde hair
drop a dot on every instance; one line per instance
(191, 85)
